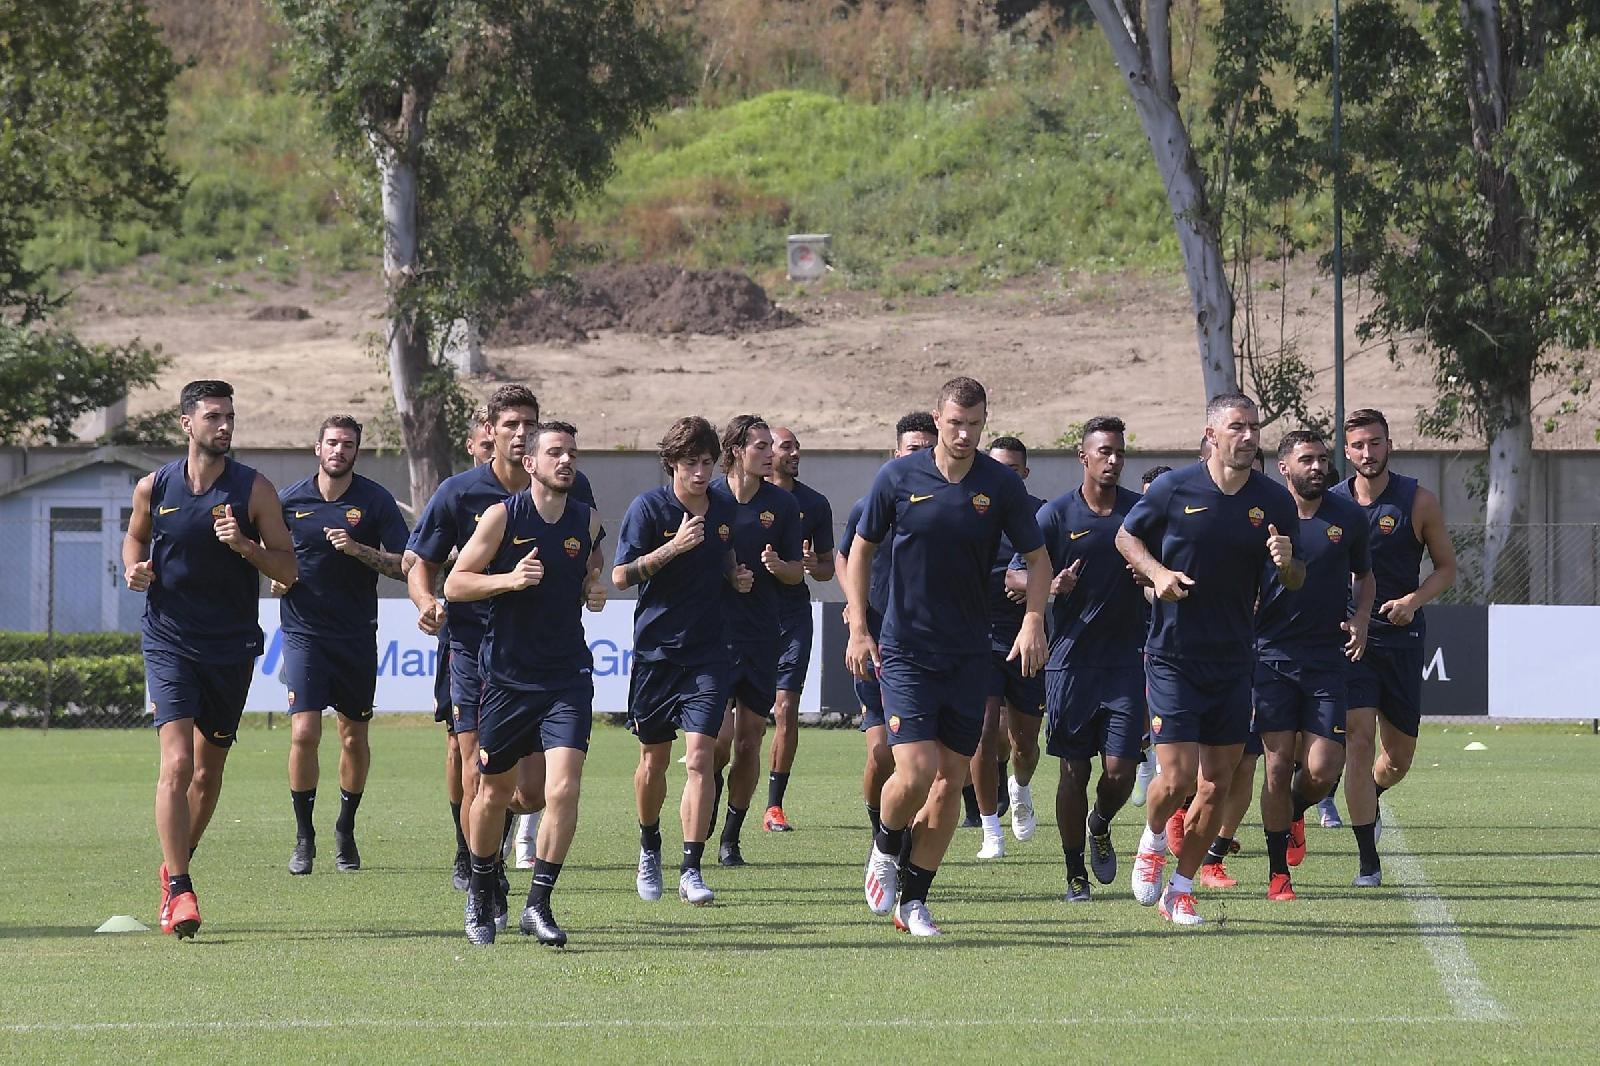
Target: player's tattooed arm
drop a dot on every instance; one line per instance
(690, 534)
(385, 563)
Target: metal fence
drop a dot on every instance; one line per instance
(69, 645)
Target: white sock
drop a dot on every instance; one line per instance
(1179, 885)
(991, 825)
(1023, 793)
(1150, 840)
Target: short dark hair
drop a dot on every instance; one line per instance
(204, 389)
(1010, 444)
(686, 438)
(963, 392)
(736, 433)
(480, 416)
(1295, 438)
(506, 397)
(1367, 416)
(1103, 424)
(554, 426)
(915, 422)
(340, 422)
(1227, 401)
(1154, 472)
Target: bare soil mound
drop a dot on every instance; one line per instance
(651, 298)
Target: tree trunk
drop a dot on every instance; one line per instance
(1507, 571)
(1143, 49)
(423, 425)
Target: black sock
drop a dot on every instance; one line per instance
(890, 841)
(178, 884)
(1219, 850)
(905, 848)
(876, 817)
(734, 824)
(649, 836)
(969, 802)
(544, 881)
(483, 873)
(693, 851)
(1278, 851)
(461, 838)
(1075, 867)
(303, 803)
(348, 802)
(716, 804)
(914, 883)
(1099, 824)
(777, 785)
(511, 823)
(1367, 844)
(1381, 789)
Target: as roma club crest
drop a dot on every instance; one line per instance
(1257, 516)
(894, 724)
(573, 546)
(724, 532)
(1335, 533)
(1155, 723)
(219, 511)
(980, 503)
(352, 517)
(1386, 524)
(767, 518)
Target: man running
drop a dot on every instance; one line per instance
(531, 557)
(1094, 680)
(676, 547)
(794, 620)
(913, 433)
(1302, 642)
(1202, 537)
(200, 530)
(766, 541)
(1386, 683)
(1147, 764)
(347, 530)
(1015, 706)
(946, 509)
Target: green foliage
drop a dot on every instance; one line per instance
(16, 645)
(79, 690)
(83, 107)
(49, 378)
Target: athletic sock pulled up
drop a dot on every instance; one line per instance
(1278, 851)
(777, 785)
(650, 836)
(734, 824)
(693, 852)
(304, 803)
(349, 802)
(915, 883)
(1367, 845)
(544, 881)
(1219, 850)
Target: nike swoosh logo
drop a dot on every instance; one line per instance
(304, 514)
(1338, 729)
(1075, 536)
(918, 499)
(521, 540)
(166, 510)
(222, 736)
(1194, 510)
(477, 518)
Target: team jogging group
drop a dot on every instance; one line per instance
(1179, 636)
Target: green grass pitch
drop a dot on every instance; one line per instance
(1484, 947)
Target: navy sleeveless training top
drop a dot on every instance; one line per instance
(535, 638)
(1396, 557)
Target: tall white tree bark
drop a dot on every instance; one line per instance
(421, 411)
(1141, 41)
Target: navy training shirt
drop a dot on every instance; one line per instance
(816, 525)
(535, 638)
(1220, 541)
(337, 594)
(771, 517)
(202, 603)
(445, 526)
(1396, 556)
(678, 616)
(882, 561)
(946, 536)
(1005, 617)
(1102, 622)
(1304, 625)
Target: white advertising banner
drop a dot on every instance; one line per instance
(408, 659)
(1541, 661)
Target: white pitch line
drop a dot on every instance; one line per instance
(1469, 996)
(422, 1024)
